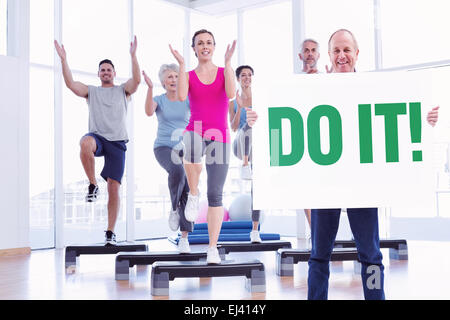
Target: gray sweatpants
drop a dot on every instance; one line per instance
(217, 162)
(172, 161)
(242, 144)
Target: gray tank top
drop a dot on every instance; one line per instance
(108, 112)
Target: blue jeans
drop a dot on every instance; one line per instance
(364, 226)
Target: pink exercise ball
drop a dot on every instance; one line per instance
(203, 212)
(226, 214)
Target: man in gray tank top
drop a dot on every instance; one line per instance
(107, 135)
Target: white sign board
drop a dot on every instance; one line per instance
(343, 141)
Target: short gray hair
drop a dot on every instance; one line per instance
(167, 67)
(310, 40)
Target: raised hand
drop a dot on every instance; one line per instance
(252, 116)
(177, 56)
(433, 116)
(147, 79)
(229, 52)
(133, 47)
(310, 70)
(60, 50)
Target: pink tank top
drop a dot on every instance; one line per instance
(209, 107)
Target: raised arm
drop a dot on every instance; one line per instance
(150, 104)
(235, 117)
(80, 89)
(230, 84)
(183, 76)
(132, 84)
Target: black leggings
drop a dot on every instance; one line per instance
(171, 161)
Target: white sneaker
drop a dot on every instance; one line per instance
(174, 220)
(191, 210)
(183, 245)
(254, 236)
(213, 256)
(246, 172)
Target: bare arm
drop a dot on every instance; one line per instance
(183, 76)
(230, 85)
(235, 117)
(80, 89)
(150, 104)
(132, 84)
(231, 114)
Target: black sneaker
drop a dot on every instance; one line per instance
(110, 238)
(92, 193)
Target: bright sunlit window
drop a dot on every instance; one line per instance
(414, 31)
(41, 32)
(324, 17)
(224, 30)
(96, 30)
(268, 46)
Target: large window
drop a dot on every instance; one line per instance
(414, 31)
(41, 32)
(324, 17)
(157, 25)
(85, 222)
(268, 40)
(3, 26)
(224, 30)
(96, 30)
(42, 218)
(41, 158)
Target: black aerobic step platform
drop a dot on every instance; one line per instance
(398, 248)
(286, 258)
(163, 272)
(127, 260)
(73, 252)
(246, 246)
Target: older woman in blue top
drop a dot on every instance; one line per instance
(173, 117)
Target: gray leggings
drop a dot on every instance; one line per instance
(242, 144)
(217, 162)
(171, 161)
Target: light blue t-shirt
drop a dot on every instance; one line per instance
(243, 118)
(173, 117)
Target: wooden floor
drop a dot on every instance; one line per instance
(41, 275)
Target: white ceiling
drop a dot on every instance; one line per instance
(219, 7)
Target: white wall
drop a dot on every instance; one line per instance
(13, 215)
(14, 123)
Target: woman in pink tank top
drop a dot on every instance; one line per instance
(209, 89)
